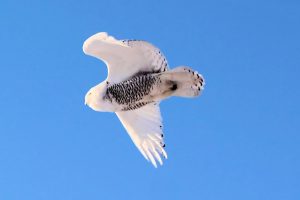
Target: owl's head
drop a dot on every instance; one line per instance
(95, 98)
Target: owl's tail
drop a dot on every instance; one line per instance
(182, 81)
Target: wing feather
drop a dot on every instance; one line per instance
(124, 58)
(144, 126)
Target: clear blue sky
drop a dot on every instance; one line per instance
(238, 141)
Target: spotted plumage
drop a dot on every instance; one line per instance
(130, 94)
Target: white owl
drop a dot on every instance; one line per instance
(138, 79)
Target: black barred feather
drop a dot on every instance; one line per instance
(130, 93)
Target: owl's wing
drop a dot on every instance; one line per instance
(124, 58)
(144, 126)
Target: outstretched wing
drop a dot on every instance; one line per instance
(124, 58)
(144, 126)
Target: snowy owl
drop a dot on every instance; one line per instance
(138, 79)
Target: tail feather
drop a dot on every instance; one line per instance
(184, 82)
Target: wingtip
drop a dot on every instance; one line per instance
(152, 160)
(97, 36)
(101, 36)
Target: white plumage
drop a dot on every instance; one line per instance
(139, 70)
(123, 58)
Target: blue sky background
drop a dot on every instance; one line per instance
(238, 141)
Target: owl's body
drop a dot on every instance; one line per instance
(138, 79)
(149, 87)
(133, 93)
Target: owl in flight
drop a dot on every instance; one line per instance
(138, 79)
